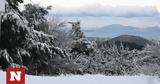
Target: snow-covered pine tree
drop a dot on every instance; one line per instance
(80, 43)
(22, 45)
(35, 14)
(80, 50)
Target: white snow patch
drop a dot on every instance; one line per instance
(86, 79)
(2, 5)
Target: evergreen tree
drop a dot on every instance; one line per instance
(80, 43)
(35, 15)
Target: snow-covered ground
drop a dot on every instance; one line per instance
(86, 79)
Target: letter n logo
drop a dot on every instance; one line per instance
(15, 76)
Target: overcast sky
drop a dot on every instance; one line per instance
(137, 13)
(79, 3)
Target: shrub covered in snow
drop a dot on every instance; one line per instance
(149, 61)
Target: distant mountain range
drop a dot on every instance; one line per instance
(115, 30)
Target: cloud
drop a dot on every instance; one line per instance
(100, 10)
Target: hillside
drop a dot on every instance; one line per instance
(130, 41)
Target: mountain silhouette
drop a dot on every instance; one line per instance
(117, 30)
